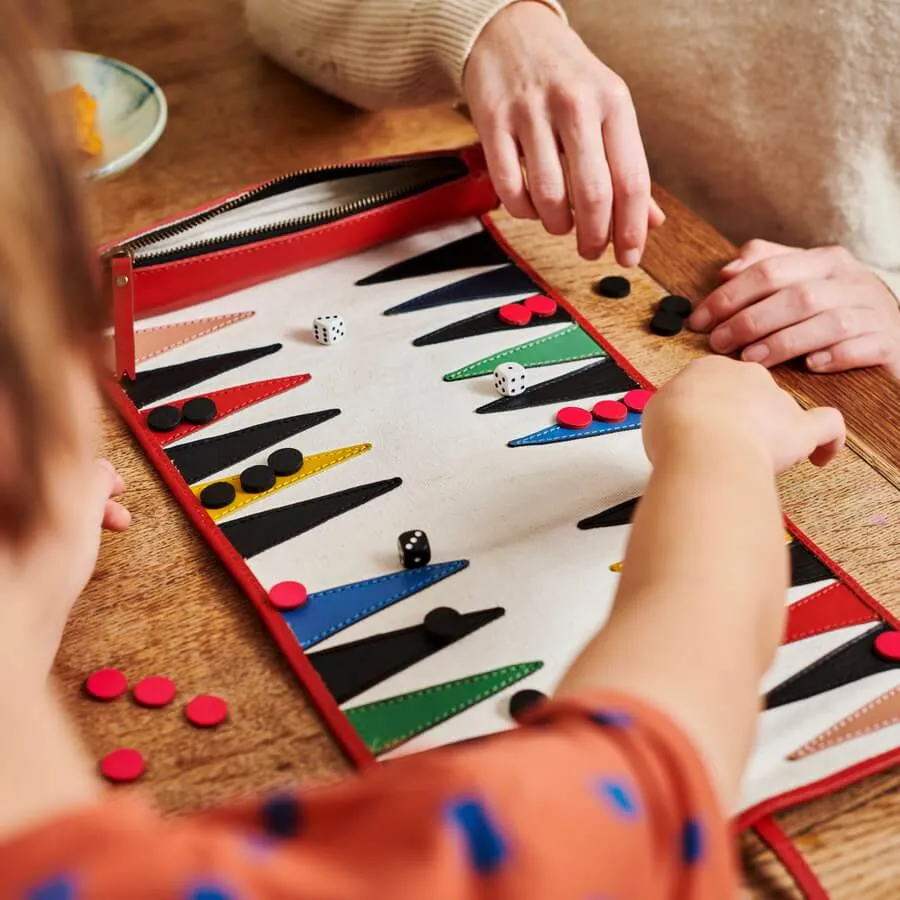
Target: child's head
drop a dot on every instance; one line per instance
(50, 308)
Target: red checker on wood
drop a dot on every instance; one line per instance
(154, 691)
(288, 595)
(206, 711)
(540, 305)
(122, 766)
(887, 645)
(573, 417)
(514, 314)
(610, 411)
(637, 400)
(106, 684)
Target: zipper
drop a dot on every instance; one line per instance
(139, 250)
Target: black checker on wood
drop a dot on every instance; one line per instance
(199, 411)
(164, 418)
(522, 701)
(674, 303)
(286, 461)
(666, 324)
(444, 624)
(616, 287)
(218, 495)
(257, 479)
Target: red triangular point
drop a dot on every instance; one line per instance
(227, 401)
(835, 606)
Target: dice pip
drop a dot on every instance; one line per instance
(510, 379)
(414, 549)
(328, 329)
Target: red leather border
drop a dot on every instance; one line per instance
(379, 228)
(770, 833)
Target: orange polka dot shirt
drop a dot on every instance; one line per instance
(600, 798)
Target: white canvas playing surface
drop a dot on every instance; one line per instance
(511, 511)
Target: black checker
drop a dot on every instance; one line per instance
(616, 287)
(164, 418)
(286, 461)
(257, 479)
(522, 701)
(443, 624)
(199, 411)
(666, 324)
(218, 495)
(674, 303)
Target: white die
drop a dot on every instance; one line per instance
(328, 329)
(510, 379)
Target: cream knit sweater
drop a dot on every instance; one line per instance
(772, 118)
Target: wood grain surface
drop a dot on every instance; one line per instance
(160, 601)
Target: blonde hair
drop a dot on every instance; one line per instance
(50, 306)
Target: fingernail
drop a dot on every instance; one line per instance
(720, 339)
(630, 258)
(756, 353)
(699, 319)
(818, 360)
(734, 265)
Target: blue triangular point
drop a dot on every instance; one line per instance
(327, 612)
(556, 433)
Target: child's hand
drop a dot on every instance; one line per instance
(778, 303)
(535, 90)
(716, 397)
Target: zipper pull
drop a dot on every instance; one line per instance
(120, 280)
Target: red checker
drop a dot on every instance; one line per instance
(154, 691)
(122, 766)
(514, 314)
(574, 417)
(288, 595)
(610, 411)
(106, 684)
(637, 400)
(206, 711)
(887, 645)
(541, 306)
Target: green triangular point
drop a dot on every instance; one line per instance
(567, 345)
(386, 724)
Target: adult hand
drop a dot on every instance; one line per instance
(740, 399)
(777, 303)
(542, 102)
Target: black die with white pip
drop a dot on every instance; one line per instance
(414, 549)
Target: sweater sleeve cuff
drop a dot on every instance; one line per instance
(459, 25)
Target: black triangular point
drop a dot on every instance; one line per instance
(595, 380)
(853, 661)
(620, 514)
(806, 567)
(155, 384)
(352, 668)
(506, 281)
(479, 249)
(486, 323)
(255, 534)
(199, 459)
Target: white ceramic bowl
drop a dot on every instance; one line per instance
(131, 107)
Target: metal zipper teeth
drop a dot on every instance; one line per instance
(173, 229)
(319, 218)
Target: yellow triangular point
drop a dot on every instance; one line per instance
(616, 567)
(312, 465)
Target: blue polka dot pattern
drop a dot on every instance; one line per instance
(485, 845)
(619, 796)
(210, 892)
(59, 888)
(611, 718)
(692, 842)
(281, 815)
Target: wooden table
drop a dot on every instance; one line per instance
(160, 602)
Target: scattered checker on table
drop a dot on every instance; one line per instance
(616, 287)
(328, 329)
(414, 549)
(668, 320)
(510, 379)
